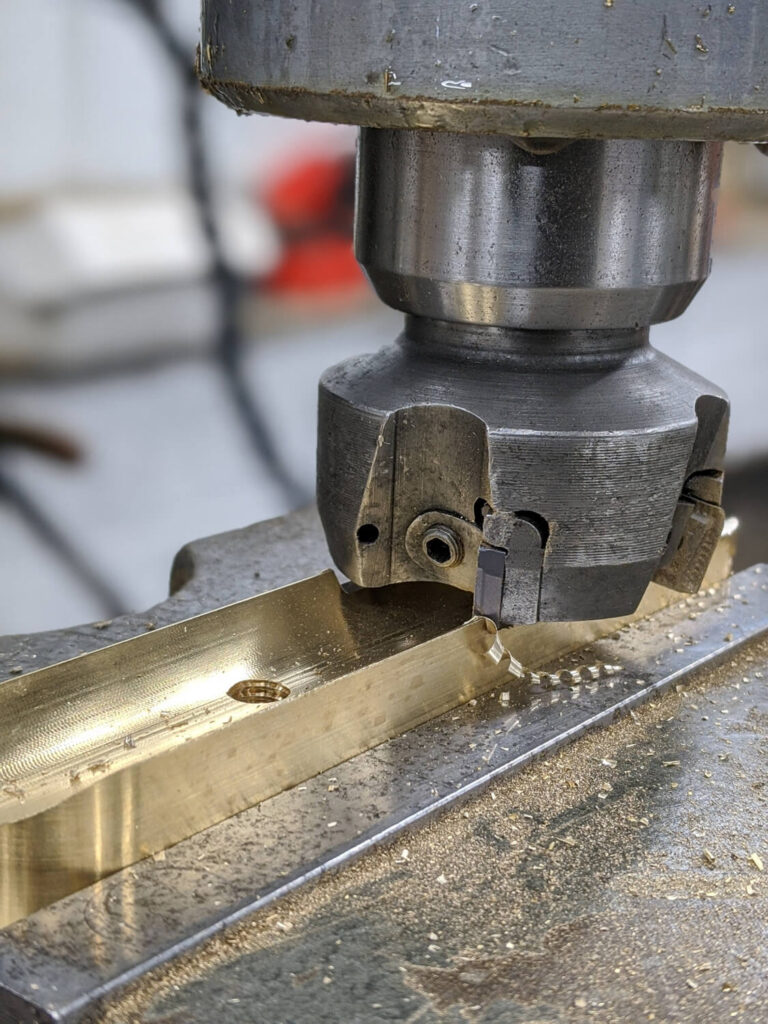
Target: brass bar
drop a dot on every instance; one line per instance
(119, 753)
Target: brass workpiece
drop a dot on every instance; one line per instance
(119, 753)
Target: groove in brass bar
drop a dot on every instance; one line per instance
(119, 753)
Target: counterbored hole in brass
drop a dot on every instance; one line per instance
(258, 691)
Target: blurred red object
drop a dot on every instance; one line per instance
(312, 204)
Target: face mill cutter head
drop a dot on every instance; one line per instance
(521, 439)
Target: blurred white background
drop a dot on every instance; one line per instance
(89, 100)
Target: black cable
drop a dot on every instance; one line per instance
(59, 544)
(229, 348)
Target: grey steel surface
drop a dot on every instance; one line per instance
(593, 436)
(593, 479)
(478, 230)
(523, 410)
(652, 69)
(59, 962)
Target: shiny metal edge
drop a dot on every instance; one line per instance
(119, 753)
(207, 573)
(505, 117)
(59, 963)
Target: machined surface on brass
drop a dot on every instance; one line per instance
(119, 753)
(59, 963)
(122, 752)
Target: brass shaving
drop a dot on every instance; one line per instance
(560, 677)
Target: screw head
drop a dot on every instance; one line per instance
(442, 546)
